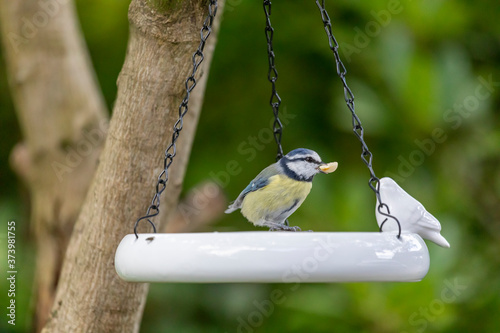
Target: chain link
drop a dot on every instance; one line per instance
(272, 76)
(366, 155)
(170, 152)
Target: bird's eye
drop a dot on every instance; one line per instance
(309, 159)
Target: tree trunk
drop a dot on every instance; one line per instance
(90, 296)
(63, 119)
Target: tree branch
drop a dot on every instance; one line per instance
(202, 206)
(90, 295)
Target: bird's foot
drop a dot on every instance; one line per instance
(283, 227)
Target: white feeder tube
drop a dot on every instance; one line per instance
(262, 256)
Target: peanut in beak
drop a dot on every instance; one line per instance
(329, 168)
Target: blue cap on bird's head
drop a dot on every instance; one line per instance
(302, 152)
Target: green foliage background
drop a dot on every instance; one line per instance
(411, 74)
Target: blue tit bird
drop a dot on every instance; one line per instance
(280, 189)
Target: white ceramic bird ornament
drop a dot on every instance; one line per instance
(280, 189)
(412, 215)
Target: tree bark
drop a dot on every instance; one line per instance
(63, 119)
(90, 296)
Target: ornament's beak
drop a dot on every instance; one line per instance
(328, 167)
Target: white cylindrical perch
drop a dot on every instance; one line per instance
(261, 256)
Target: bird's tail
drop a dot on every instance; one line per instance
(232, 207)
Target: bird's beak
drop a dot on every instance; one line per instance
(328, 167)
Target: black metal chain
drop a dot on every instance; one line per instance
(272, 76)
(170, 152)
(358, 130)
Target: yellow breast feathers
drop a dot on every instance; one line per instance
(280, 194)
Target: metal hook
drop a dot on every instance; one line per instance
(389, 216)
(143, 218)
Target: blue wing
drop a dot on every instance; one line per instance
(257, 183)
(254, 185)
